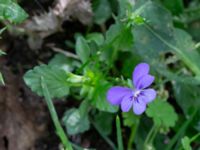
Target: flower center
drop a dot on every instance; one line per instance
(136, 93)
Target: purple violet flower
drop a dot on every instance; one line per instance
(138, 97)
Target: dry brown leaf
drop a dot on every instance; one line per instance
(43, 25)
(78, 9)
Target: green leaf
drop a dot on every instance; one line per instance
(186, 50)
(62, 62)
(162, 113)
(122, 10)
(147, 44)
(11, 11)
(129, 119)
(119, 36)
(55, 78)
(82, 49)
(187, 96)
(96, 37)
(186, 143)
(76, 120)
(175, 6)
(99, 97)
(102, 11)
(152, 40)
(104, 126)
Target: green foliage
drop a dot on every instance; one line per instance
(96, 91)
(152, 39)
(55, 78)
(82, 49)
(129, 119)
(102, 11)
(76, 120)
(11, 11)
(143, 31)
(119, 36)
(99, 97)
(104, 120)
(175, 6)
(186, 143)
(98, 38)
(162, 113)
(187, 96)
(65, 63)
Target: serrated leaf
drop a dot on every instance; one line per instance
(76, 120)
(162, 113)
(82, 49)
(11, 11)
(55, 78)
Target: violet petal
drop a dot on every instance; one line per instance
(139, 71)
(139, 106)
(148, 95)
(144, 81)
(126, 103)
(116, 94)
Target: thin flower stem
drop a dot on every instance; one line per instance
(154, 134)
(59, 130)
(132, 136)
(119, 134)
(149, 136)
(195, 137)
(112, 145)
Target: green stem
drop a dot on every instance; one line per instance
(132, 136)
(119, 134)
(194, 137)
(112, 145)
(154, 134)
(149, 136)
(180, 132)
(59, 130)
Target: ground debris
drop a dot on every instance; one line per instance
(40, 26)
(20, 116)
